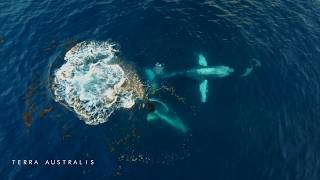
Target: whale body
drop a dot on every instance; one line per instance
(202, 73)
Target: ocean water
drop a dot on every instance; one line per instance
(263, 126)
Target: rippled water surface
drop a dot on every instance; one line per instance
(263, 126)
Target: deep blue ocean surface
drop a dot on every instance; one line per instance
(263, 126)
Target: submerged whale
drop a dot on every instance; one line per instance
(202, 73)
(161, 111)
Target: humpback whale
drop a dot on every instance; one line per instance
(202, 73)
(158, 110)
(163, 112)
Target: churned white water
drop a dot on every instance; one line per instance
(91, 82)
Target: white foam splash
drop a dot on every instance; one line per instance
(90, 82)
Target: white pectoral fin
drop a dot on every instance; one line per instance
(202, 60)
(203, 87)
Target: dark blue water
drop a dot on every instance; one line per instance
(264, 126)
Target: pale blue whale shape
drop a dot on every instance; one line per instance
(201, 73)
(166, 114)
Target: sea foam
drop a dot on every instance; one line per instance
(92, 83)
